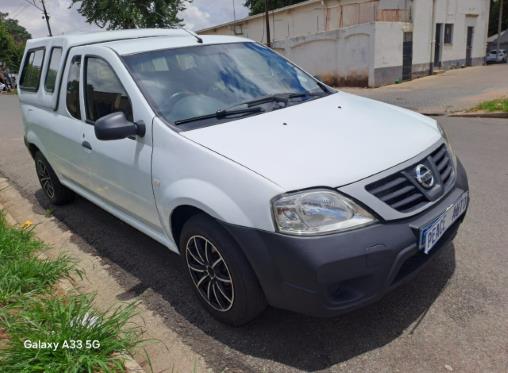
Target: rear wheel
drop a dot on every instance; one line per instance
(53, 189)
(221, 276)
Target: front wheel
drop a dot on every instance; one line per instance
(221, 275)
(57, 193)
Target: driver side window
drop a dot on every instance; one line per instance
(104, 93)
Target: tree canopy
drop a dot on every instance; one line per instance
(12, 41)
(126, 14)
(495, 6)
(18, 32)
(258, 6)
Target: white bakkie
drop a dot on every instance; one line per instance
(275, 188)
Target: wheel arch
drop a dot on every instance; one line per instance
(33, 144)
(179, 216)
(32, 149)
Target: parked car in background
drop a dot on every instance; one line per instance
(495, 57)
(273, 187)
(12, 80)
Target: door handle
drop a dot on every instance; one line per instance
(86, 144)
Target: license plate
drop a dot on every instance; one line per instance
(431, 233)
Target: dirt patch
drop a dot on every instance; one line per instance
(351, 80)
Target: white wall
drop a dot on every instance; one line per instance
(422, 31)
(308, 18)
(461, 13)
(343, 57)
(347, 40)
(389, 38)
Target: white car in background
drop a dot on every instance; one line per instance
(495, 57)
(274, 188)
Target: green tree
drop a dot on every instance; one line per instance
(126, 14)
(11, 50)
(18, 32)
(258, 6)
(495, 5)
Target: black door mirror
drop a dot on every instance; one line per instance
(115, 126)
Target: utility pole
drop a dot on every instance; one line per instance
(432, 37)
(267, 18)
(46, 17)
(499, 27)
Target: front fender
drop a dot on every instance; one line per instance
(202, 195)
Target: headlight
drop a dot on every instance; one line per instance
(318, 211)
(449, 147)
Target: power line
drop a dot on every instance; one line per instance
(18, 11)
(32, 4)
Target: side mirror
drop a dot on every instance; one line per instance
(115, 126)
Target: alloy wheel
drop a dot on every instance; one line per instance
(209, 273)
(45, 179)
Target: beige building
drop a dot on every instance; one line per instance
(372, 42)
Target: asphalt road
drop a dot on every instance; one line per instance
(450, 91)
(452, 316)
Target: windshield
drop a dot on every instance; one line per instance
(196, 82)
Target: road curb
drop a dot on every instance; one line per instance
(480, 115)
(131, 365)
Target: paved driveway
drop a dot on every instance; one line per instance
(454, 90)
(452, 316)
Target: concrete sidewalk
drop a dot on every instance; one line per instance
(451, 91)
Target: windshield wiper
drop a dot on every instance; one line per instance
(220, 114)
(307, 94)
(252, 107)
(263, 100)
(279, 97)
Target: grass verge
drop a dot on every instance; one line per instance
(22, 273)
(493, 106)
(44, 331)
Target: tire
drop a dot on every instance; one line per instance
(51, 186)
(220, 274)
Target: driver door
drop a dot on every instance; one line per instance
(120, 169)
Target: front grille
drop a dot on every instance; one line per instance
(441, 160)
(402, 192)
(398, 192)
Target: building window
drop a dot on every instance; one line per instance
(448, 33)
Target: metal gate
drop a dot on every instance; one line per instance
(407, 56)
(469, 46)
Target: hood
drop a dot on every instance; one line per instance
(331, 141)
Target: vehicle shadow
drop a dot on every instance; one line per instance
(296, 341)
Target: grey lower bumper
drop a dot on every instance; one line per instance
(329, 275)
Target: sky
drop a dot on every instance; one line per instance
(197, 15)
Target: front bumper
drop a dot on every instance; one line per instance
(332, 274)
